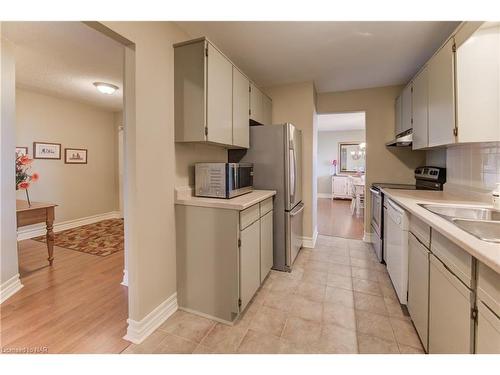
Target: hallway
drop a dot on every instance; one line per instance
(335, 219)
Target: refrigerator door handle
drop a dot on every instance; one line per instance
(293, 172)
(297, 210)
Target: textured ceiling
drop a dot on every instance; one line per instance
(337, 56)
(341, 121)
(64, 59)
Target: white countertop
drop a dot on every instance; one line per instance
(486, 252)
(239, 203)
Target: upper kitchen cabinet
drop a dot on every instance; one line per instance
(406, 109)
(260, 106)
(420, 102)
(219, 93)
(241, 108)
(478, 85)
(441, 86)
(211, 96)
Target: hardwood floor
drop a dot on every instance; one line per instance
(335, 219)
(75, 306)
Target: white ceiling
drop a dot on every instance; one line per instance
(337, 56)
(341, 121)
(64, 59)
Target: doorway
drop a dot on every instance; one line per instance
(80, 303)
(341, 169)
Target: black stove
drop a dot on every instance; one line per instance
(426, 178)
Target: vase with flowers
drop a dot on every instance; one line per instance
(334, 165)
(23, 175)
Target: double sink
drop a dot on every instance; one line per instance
(481, 222)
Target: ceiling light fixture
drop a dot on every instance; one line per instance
(106, 88)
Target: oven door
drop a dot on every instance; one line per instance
(240, 178)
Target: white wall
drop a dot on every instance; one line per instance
(8, 241)
(328, 148)
(79, 190)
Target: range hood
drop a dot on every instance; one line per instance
(402, 140)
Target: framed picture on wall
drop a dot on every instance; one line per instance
(75, 155)
(22, 150)
(44, 150)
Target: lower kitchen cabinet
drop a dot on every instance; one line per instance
(266, 245)
(418, 287)
(450, 304)
(249, 262)
(488, 331)
(222, 255)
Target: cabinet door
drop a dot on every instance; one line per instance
(339, 186)
(398, 119)
(249, 263)
(241, 106)
(441, 97)
(450, 323)
(420, 110)
(488, 331)
(266, 244)
(418, 287)
(478, 86)
(219, 97)
(256, 104)
(267, 110)
(406, 110)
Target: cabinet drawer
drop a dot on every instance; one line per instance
(266, 206)
(450, 323)
(249, 216)
(488, 331)
(488, 287)
(420, 230)
(455, 258)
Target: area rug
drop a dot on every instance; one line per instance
(102, 238)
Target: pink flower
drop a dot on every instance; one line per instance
(25, 160)
(34, 177)
(334, 163)
(23, 185)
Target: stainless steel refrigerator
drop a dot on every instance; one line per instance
(276, 153)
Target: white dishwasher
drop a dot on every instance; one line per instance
(396, 248)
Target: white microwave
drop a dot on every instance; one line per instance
(223, 180)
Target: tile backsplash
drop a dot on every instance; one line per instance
(475, 167)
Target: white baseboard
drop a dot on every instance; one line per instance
(368, 237)
(10, 287)
(125, 278)
(138, 331)
(39, 230)
(325, 195)
(310, 242)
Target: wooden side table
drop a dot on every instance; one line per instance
(38, 213)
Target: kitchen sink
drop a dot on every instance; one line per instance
(464, 212)
(481, 222)
(484, 230)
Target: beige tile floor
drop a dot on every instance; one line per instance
(337, 299)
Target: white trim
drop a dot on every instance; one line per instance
(310, 242)
(138, 331)
(368, 237)
(39, 230)
(325, 195)
(125, 278)
(10, 287)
